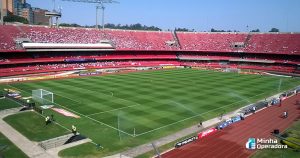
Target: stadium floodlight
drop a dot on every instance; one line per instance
(42, 96)
(99, 5)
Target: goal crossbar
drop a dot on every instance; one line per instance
(42, 96)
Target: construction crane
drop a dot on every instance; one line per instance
(1, 13)
(54, 14)
(53, 1)
(99, 5)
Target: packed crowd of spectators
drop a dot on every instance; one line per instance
(39, 68)
(194, 47)
(63, 35)
(94, 56)
(274, 43)
(219, 42)
(8, 33)
(287, 43)
(138, 40)
(243, 57)
(250, 66)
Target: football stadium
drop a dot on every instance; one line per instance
(123, 91)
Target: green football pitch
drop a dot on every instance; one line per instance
(120, 111)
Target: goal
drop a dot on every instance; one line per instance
(232, 70)
(42, 96)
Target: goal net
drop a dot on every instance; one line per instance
(232, 70)
(42, 96)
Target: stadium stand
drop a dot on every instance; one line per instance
(7, 37)
(274, 43)
(220, 42)
(249, 51)
(140, 40)
(64, 35)
(32, 69)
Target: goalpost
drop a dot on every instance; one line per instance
(42, 96)
(232, 70)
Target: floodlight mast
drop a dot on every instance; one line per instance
(100, 5)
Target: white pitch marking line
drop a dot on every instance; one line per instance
(113, 110)
(55, 122)
(102, 123)
(67, 129)
(67, 98)
(112, 95)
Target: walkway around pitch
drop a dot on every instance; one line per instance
(30, 148)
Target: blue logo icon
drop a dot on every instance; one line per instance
(251, 144)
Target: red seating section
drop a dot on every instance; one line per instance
(140, 40)
(8, 34)
(109, 56)
(155, 40)
(287, 69)
(274, 44)
(133, 40)
(224, 57)
(220, 42)
(148, 48)
(92, 65)
(64, 35)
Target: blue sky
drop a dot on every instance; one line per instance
(201, 15)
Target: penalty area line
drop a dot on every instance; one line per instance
(64, 127)
(54, 122)
(102, 123)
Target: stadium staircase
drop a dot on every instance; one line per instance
(60, 141)
(23, 34)
(174, 34)
(247, 39)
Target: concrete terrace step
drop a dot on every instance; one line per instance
(54, 151)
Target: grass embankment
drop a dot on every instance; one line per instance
(8, 149)
(32, 126)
